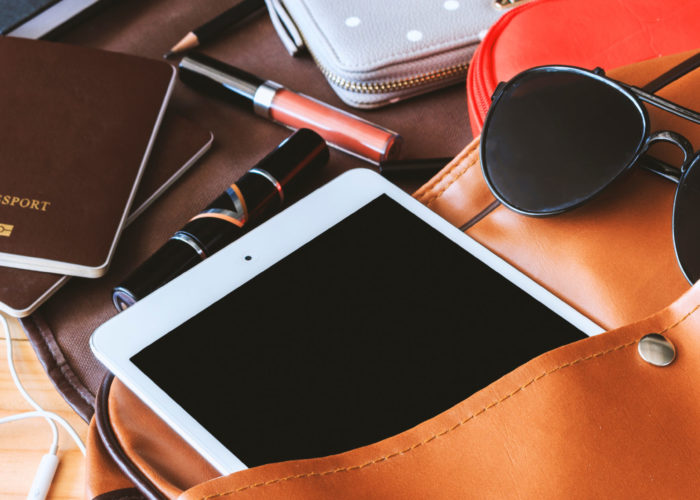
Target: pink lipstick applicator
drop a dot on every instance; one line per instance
(340, 129)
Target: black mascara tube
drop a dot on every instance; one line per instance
(256, 195)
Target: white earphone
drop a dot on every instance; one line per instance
(49, 462)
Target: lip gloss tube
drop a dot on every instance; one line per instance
(252, 198)
(340, 129)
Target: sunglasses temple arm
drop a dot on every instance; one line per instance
(648, 162)
(661, 103)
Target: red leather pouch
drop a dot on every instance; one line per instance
(594, 418)
(586, 34)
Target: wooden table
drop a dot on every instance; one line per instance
(23, 443)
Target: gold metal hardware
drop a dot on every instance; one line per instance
(391, 86)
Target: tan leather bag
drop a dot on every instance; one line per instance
(586, 420)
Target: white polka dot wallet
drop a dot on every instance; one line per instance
(374, 53)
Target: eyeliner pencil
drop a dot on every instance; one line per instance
(423, 168)
(212, 28)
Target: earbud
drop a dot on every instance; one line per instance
(43, 477)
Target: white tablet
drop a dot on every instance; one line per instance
(351, 316)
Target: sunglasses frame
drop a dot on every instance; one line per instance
(637, 97)
(694, 163)
(634, 95)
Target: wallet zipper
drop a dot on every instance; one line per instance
(393, 85)
(481, 96)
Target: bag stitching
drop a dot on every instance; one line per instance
(57, 361)
(440, 177)
(450, 429)
(459, 174)
(453, 171)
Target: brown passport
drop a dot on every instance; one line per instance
(179, 145)
(76, 129)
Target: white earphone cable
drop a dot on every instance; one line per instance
(50, 417)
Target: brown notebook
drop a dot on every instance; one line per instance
(76, 128)
(179, 145)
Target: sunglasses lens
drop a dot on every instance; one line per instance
(553, 139)
(686, 222)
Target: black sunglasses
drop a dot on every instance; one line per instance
(555, 136)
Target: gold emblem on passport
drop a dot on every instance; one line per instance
(6, 229)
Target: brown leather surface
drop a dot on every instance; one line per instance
(112, 449)
(76, 130)
(588, 420)
(103, 476)
(433, 125)
(134, 424)
(123, 494)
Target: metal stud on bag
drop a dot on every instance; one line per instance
(656, 350)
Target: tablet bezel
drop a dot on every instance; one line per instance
(117, 340)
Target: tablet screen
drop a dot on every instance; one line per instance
(371, 328)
